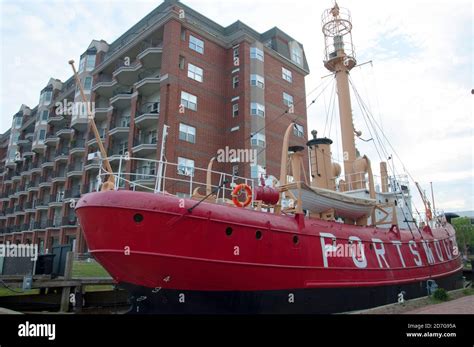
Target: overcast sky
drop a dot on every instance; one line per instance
(418, 87)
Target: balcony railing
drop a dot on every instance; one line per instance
(78, 143)
(40, 224)
(73, 193)
(62, 151)
(69, 221)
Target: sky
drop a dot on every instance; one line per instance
(417, 86)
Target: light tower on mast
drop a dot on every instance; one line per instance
(339, 57)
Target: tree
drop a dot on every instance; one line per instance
(464, 234)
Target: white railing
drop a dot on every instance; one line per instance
(172, 176)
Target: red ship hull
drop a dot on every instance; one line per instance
(222, 259)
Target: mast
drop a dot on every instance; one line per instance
(340, 59)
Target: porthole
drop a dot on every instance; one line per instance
(258, 235)
(138, 218)
(228, 231)
(295, 240)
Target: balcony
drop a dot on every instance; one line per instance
(69, 222)
(24, 227)
(39, 225)
(143, 146)
(55, 119)
(62, 154)
(120, 128)
(151, 56)
(75, 169)
(36, 168)
(22, 141)
(121, 98)
(59, 176)
(148, 115)
(145, 175)
(53, 224)
(47, 162)
(148, 85)
(78, 147)
(73, 193)
(43, 203)
(45, 181)
(22, 190)
(65, 132)
(58, 200)
(32, 187)
(16, 177)
(30, 206)
(127, 75)
(92, 141)
(105, 87)
(91, 166)
(51, 139)
(9, 211)
(100, 113)
(19, 210)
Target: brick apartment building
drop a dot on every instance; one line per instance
(213, 86)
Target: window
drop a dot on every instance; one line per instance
(42, 135)
(181, 62)
(297, 55)
(196, 44)
(256, 53)
(287, 99)
(235, 81)
(258, 140)
(189, 101)
(88, 83)
(195, 72)
(257, 80)
(235, 110)
(187, 133)
(183, 34)
(46, 97)
(90, 65)
(257, 109)
(286, 75)
(298, 130)
(185, 167)
(82, 64)
(44, 115)
(18, 121)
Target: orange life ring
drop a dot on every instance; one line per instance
(236, 191)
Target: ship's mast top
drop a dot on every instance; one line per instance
(339, 57)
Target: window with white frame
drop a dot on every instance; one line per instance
(256, 53)
(42, 135)
(44, 115)
(257, 109)
(90, 62)
(185, 166)
(189, 101)
(88, 83)
(297, 55)
(287, 99)
(235, 110)
(286, 75)
(45, 97)
(235, 81)
(298, 130)
(258, 139)
(195, 72)
(196, 45)
(187, 133)
(82, 63)
(257, 80)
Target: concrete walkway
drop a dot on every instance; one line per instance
(464, 305)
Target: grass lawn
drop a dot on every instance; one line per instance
(92, 269)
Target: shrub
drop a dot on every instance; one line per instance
(440, 294)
